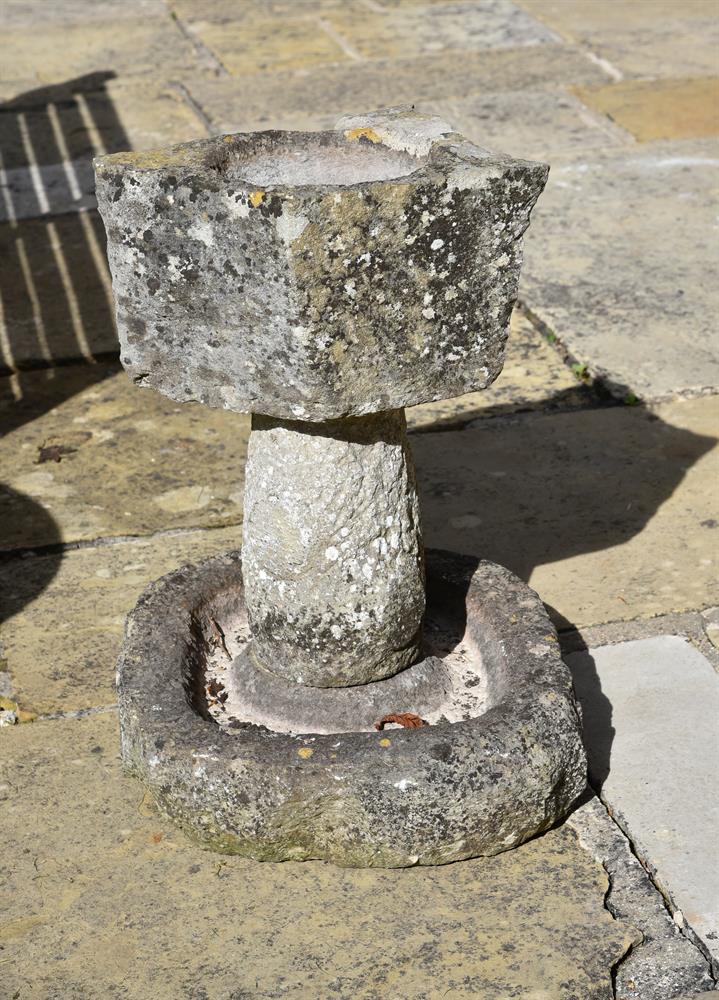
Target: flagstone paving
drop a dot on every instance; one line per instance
(64, 614)
(108, 900)
(618, 265)
(609, 513)
(607, 509)
(656, 766)
(659, 109)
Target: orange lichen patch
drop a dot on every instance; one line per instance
(305, 752)
(354, 134)
(256, 198)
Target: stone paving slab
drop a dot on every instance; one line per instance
(651, 714)
(667, 963)
(108, 900)
(607, 512)
(252, 45)
(618, 266)
(134, 462)
(659, 109)
(316, 97)
(533, 377)
(422, 30)
(530, 124)
(30, 13)
(148, 46)
(63, 614)
(222, 11)
(651, 38)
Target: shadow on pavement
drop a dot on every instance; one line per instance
(23, 577)
(55, 294)
(548, 487)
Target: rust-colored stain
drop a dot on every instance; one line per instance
(406, 719)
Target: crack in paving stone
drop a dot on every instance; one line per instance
(667, 963)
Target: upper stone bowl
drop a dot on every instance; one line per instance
(317, 275)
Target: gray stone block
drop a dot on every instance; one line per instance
(650, 709)
(317, 275)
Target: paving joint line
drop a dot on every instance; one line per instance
(185, 94)
(684, 927)
(205, 54)
(60, 548)
(339, 39)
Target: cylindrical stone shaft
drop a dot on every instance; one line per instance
(332, 551)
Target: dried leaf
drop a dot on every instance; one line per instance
(407, 719)
(53, 453)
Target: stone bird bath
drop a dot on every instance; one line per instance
(324, 281)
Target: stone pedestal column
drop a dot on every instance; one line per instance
(332, 549)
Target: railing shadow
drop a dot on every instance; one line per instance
(55, 292)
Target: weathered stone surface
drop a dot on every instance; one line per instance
(608, 512)
(613, 271)
(332, 549)
(127, 46)
(537, 124)
(30, 13)
(424, 30)
(111, 900)
(658, 109)
(650, 710)
(533, 377)
(63, 614)
(251, 45)
(317, 275)
(663, 38)
(130, 462)
(665, 964)
(421, 796)
(314, 97)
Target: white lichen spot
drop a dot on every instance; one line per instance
(436, 244)
(350, 289)
(332, 553)
(202, 232)
(404, 784)
(290, 227)
(428, 313)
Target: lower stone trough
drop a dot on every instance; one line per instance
(334, 691)
(248, 763)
